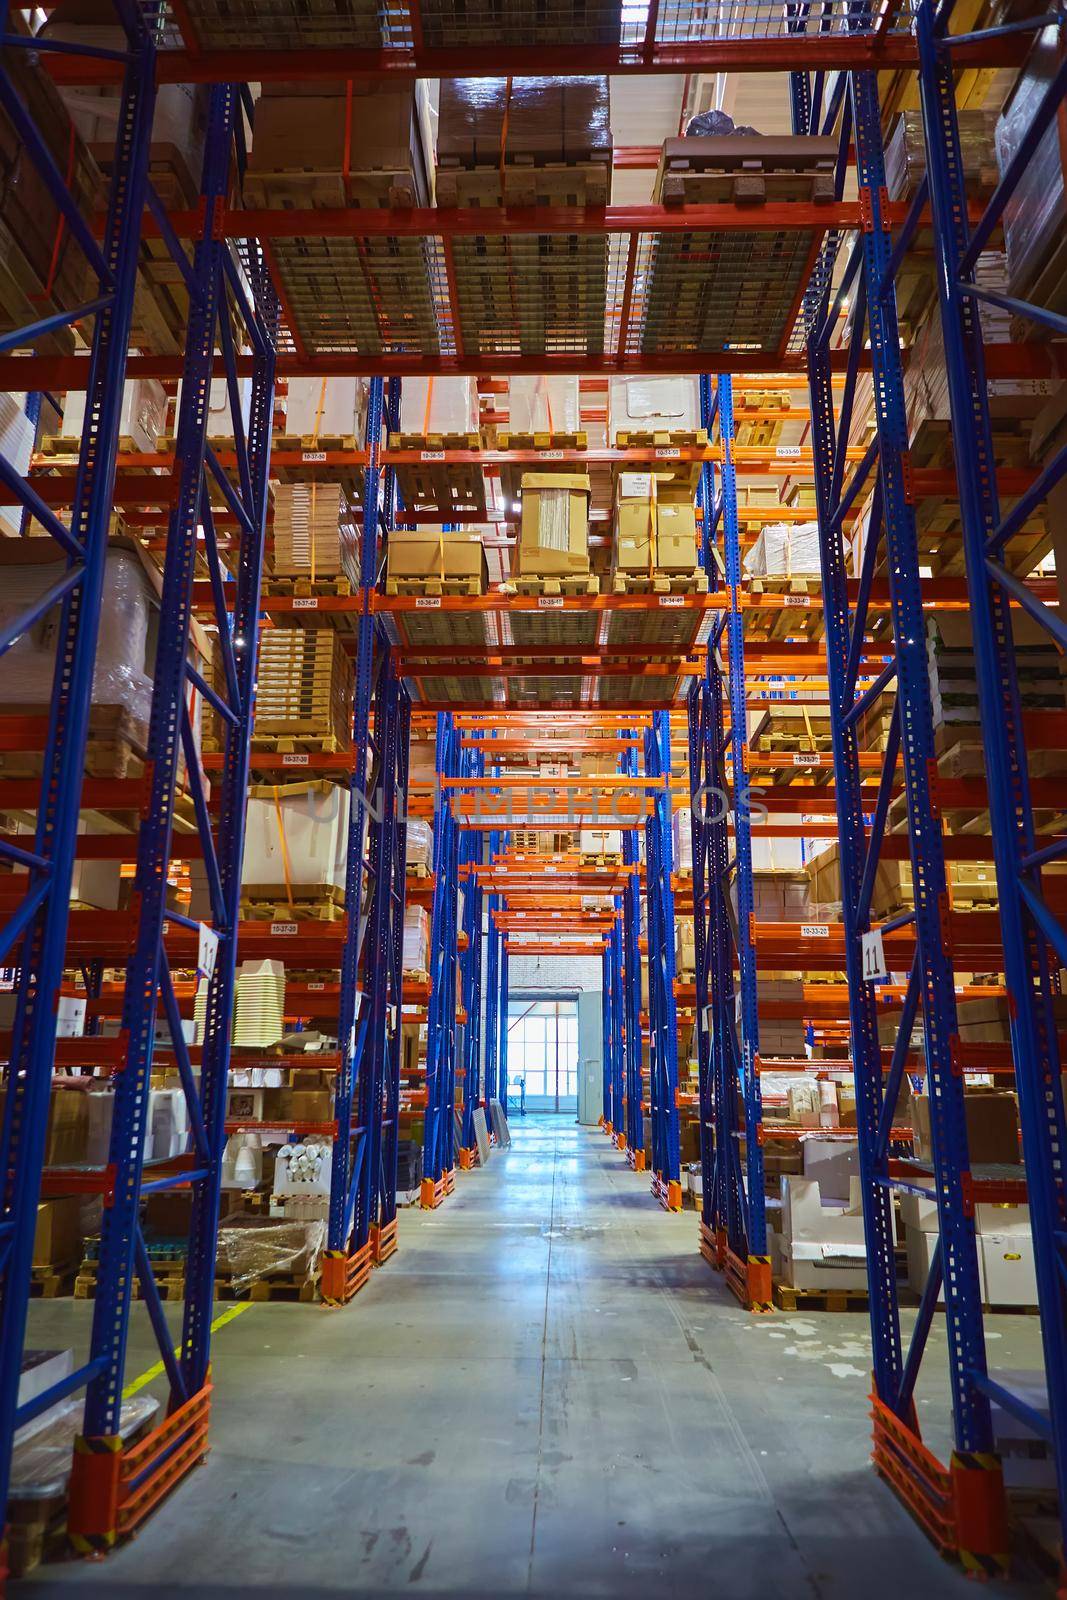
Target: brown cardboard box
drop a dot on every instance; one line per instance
(689, 1142)
(554, 533)
(67, 1136)
(57, 1239)
(167, 1212)
(676, 536)
(376, 124)
(992, 1126)
(846, 1105)
(311, 1105)
(421, 554)
(634, 523)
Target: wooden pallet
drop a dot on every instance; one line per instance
(456, 490)
(282, 909)
(433, 587)
(298, 1287)
(661, 439)
(288, 740)
(67, 446)
(746, 171)
(578, 584)
(786, 1298)
(524, 181)
(171, 1284)
(506, 440)
(415, 975)
(304, 587)
(115, 747)
(695, 582)
(51, 1281)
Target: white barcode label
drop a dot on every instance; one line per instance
(814, 930)
(316, 987)
(431, 455)
(672, 599)
(550, 868)
(312, 455)
(427, 602)
(550, 455)
(803, 758)
(550, 602)
(284, 930)
(667, 452)
(800, 600)
(298, 758)
(306, 602)
(789, 451)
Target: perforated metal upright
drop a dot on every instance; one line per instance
(472, 851)
(633, 1126)
(362, 1221)
(963, 1506)
(1034, 939)
(613, 1019)
(34, 936)
(111, 1488)
(439, 1141)
(663, 1010)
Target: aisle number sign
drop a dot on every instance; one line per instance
(874, 967)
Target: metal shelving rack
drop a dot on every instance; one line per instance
(439, 1143)
(472, 853)
(663, 1013)
(35, 934)
(633, 1129)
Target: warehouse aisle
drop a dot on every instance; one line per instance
(546, 1393)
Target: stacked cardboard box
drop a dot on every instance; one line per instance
(992, 1117)
(442, 556)
(416, 942)
(554, 533)
(654, 525)
(314, 534)
(305, 685)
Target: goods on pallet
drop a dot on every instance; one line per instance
(785, 550)
(682, 832)
(142, 419)
(305, 686)
(992, 1117)
(348, 144)
(457, 555)
(1034, 214)
(527, 142)
(314, 533)
(121, 677)
(259, 1014)
(750, 300)
(251, 1249)
(685, 951)
(296, 836)
(301, 1172)
(905, 153)
(57, 1238)
(419, 846)
(554, 532)
(542, 405)
(416, 944)
(327, 408)
(821, 1246)
(597, 842)
(655, 525)
(779, 894)
(438, 406)
(781, 1036)
(893, 889)
(43, 269)
(653, 405)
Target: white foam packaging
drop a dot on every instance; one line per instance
(142, 419)
(304, 834)
(16, 447)
(654, 405)
(831, 1163)
(318, 406)
(542, 405)
(439, 405)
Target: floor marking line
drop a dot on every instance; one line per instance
(145, 1378)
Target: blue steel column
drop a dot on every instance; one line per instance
(439, 1140)
(634, 1123)
(756, 1288)
(666, 1183)
(391, 1125)
(973, 1480)
(502, 1017)
(41, 921)
(339, 1281)
(1028, 927)
(470, 962)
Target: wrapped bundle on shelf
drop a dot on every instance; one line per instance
(259, 1013)
(682, 824)
(1034, 231)
(905, 154)
(416, 943)
(122, 685)
(421, 558)
(320, 409)
(16, 447)
(527, 142)
(296, 838)
(252, 1248)
(360, 144)
(542, 406)
(314, 534)
(653, 405)
(419, 847)
(43, 268)
(600, 844)
(685, 950)
(141, 421)
(305, 686)
(785, 550)
(439, 407)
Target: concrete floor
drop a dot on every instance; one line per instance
(545, 1393)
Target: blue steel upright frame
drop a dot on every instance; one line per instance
(663, 1008)
(613, 1029)
(439, 1141)
(111, 1491)
(633, 1127)
(963, 1506)
(472, 850)
(1030, 930)
(362, 1228)
(34, 937)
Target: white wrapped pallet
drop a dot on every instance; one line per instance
(543, 405)
(683, 840)
(785, 550)
(296, 834)
(142, 419)
(653, 405)
(16, 447)
(327, 406)
(439, 405)
(416, 951)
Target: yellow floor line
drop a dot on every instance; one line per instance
(138, 1383)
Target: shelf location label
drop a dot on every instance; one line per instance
(814, 930)
(427, 602)
(874, 967)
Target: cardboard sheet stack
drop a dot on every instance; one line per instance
(326, 408)
(554, 534)
(314, 533)
(259, 1015)
(785, 550)
(16, 447)
(416, 942)
(305, 685)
